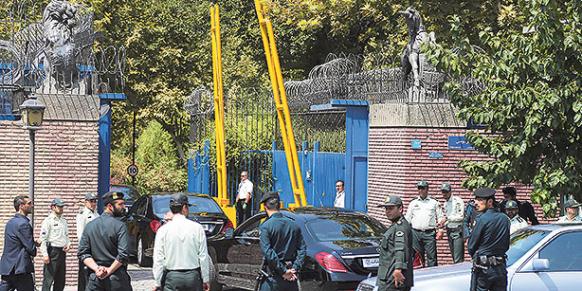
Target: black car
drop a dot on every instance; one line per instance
(130, 194)
(147, 215)
(341, 250)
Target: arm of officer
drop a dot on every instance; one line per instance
(301, 251)
(67, 240)
(45, 229)
(440, 215)
(458, 211)
(84, 253)
(24, 234)
(400, 243)
(80, 220)
(270, 255)
(249, 190)
(409, 214)
(159, 256)
(203, 256)
(475, 238)
(122, 249)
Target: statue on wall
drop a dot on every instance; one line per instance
(58, 22)
(411, 55)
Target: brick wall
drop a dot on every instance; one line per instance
(66, 166)
(394, 168)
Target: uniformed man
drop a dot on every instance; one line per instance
(526, 210)
(454, 210)
(396, 252)
(282, 246)
(54, 239)
(517, 223)
(243, 198)
(488, 243)
(571, 208)
(103, 247)
(87, 214)
(174, 268)
(425, 215)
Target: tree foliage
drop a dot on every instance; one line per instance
(531, 103)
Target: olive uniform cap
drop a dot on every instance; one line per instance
(391, 200)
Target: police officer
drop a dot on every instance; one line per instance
(396, 252)
(87, 214)
(571, 208)
(54, 238)
(517, 223)
(282, 246)
(488, 243)
(425, 215)
(454, 210)
(183, 270)
(103, 247)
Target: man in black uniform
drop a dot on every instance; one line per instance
(488, 243)
(282, 246)
(103, 247)
(396, 253)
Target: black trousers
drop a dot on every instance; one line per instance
(242, 214)
(277, 283)
(82, 279)
(492, 279)
(54, 271)
(20, 282)
(118, 281)
(183, 280)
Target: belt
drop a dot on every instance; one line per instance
(184, 270)
(489, 260)
(425, 230)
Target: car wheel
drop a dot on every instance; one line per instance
(142, 259)
(214, 285)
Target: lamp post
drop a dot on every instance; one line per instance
(32, 112)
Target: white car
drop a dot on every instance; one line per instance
(541, 257)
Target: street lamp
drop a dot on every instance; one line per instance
(32, 112)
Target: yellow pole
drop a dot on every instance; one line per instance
(282, 106)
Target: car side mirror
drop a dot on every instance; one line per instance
(229, 234)
(539, 265)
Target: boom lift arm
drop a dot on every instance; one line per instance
(282, 106)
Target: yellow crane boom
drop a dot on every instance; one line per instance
(282, 106)
(222, 198)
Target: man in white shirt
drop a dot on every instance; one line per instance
(425, 216)
(340, 194)
(454, 210)
(572, 210)
(54, 237)
(180, 251)
(243, 198)
(87, 214)
(512, 211)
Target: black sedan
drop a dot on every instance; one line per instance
(341, 250)
(147, 215)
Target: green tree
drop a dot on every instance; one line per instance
(530, 102)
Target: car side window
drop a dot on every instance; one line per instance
(563, 252)
(140, 207)
(251, 229)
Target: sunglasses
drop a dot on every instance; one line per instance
(28, 203)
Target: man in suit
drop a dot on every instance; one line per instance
(16, 265)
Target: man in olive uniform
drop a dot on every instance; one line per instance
(396, 252)
(282, 246)
(425, 216)
(87, 214)
(103, 247)
(488, 243)
(55, 243)
(454, 210)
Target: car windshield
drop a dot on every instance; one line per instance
(199, 204)
(344, 227)
(521, 242)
